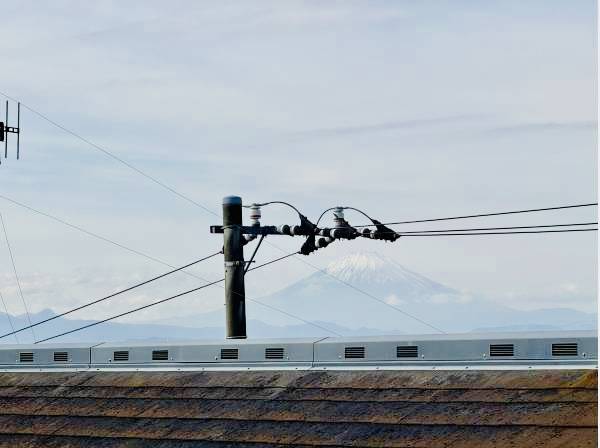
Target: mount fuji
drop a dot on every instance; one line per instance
(350, 292)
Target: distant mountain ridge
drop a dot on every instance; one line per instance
(332, 299)
(115, 331)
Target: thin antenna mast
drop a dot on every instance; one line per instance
(5, 129)
(6, 139)
(18, 127)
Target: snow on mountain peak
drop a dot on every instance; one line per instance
(370, 267)
(356, 263)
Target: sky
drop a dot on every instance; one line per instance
(404, 109)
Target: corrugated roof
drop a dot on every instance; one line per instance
(553, 408)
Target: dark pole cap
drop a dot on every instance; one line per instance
(232, 200)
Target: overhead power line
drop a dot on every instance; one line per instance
(110, 296)
(323, 214)
(273, 261)
(499, 233)
(276, 202)
(82, 230)
(12, 259)
(499, 228)
(481, 215)
(158, 302)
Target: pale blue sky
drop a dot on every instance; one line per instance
(405, 109)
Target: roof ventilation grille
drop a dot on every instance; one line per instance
(61, 356)
(407, 351)
(502, 350)
(229, 353)
(274, 353)
(354, 352)
(565, 349)
(121, 355)
(160, 355)
(26, 357)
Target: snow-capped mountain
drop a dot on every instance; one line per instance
(351, 290)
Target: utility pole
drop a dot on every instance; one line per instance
(236, 236)
(233, 252)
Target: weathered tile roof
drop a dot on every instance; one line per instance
(458, 409)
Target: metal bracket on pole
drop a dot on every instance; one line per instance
(262, 237)
(230, 264)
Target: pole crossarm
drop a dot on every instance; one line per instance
(251, 230)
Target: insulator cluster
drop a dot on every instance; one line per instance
(316, 237)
